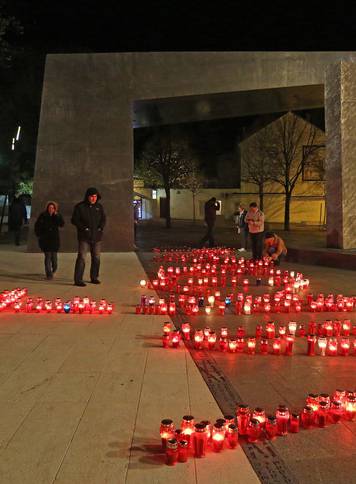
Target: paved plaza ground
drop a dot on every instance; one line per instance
(81, 396)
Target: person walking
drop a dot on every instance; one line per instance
(89, 219)
(47, 230)
(255, 220)
(274, 247)
(17, 216)
(242, 226)
(210, 209)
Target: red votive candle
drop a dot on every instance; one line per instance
(264, 346)
(307, 416)
(311, 345)
(243, 418)
(260, 415)
(218, 436)
(289, 345)
(350, 408)
(199, 440)
(259, 331)
(271, 427)
(276, 346)
(336, 411)
(232, 436)
(251, 346)
(166, 431)
(165, 340)
(188, 426)
(186, 331)
(183, 450)
(211, 340)
(294, 423)
(282, 415)
(175, 339)
(171, 452)
(323, 414)
(254, 430)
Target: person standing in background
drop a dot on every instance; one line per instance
(210, 209)
(17, 216)
(47, 230)
(255, 220)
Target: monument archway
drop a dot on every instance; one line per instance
(92, 102)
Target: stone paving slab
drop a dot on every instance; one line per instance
(81, 397)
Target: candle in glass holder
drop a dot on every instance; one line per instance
(276, 346)
(259, 331)
(198, 339)
(346, 327)
(243, 418)
(224, 332)
(344, 346)
(186, 331)
(350, 408)
(188, 426)
(271, 427)
(207, 310)
(253, 430)
(264, 346)
(166, 431)
(289, 345)
(232, 435)
(171, 452)
(167, 327)
(199, 440)
(223, 344)
(143, 283)
(322, 342)
(270, 330)
(332, 347)
(323, 413)
(307, 416)
(240, 333)
(294, 423)
(311, 345)
(175, 339)
(282, 331)
(336, 411)
(251, 346)
(282, 415)
(292, 327)
(218, 436)
(211, 340)
(183, 450)
(260, 415)
(232, 345)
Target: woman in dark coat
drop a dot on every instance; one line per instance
(47, 230)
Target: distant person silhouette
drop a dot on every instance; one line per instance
(210, 209)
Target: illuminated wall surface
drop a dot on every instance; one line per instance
(92, 102)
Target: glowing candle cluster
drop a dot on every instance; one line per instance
(197, 439)
(17, 301)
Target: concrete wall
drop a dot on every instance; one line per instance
(85, 132)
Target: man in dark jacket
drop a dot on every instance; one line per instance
(17, 216)
(210, 208)
(89, 218)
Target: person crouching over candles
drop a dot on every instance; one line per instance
(47, 230)
(274, 248)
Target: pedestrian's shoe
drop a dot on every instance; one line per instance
(80, 284)
(49, 277)
(95, 281)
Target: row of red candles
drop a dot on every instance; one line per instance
(195, 438)
(244, 305)
(326, 346)
(270, 330)
(12, 300)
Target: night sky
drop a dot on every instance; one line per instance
(107, 26)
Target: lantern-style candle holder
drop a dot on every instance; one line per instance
(218, 436)
(171, 452)
(199, 440)
(243, 418)
(166, 431)
(282, 415)
(271, 427)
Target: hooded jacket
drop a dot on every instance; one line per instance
(47, 229)
(89, 218)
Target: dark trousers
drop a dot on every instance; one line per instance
(17, 235)
(83, 248)
(244, 238)
(256, 245)
(51, 263)
(209, 236)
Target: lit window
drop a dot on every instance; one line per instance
(154, 194)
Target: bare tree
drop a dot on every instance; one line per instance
(164, 161)
(256, 161)
(292, 143)
(193, 182)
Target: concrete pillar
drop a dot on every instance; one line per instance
(340, 118)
